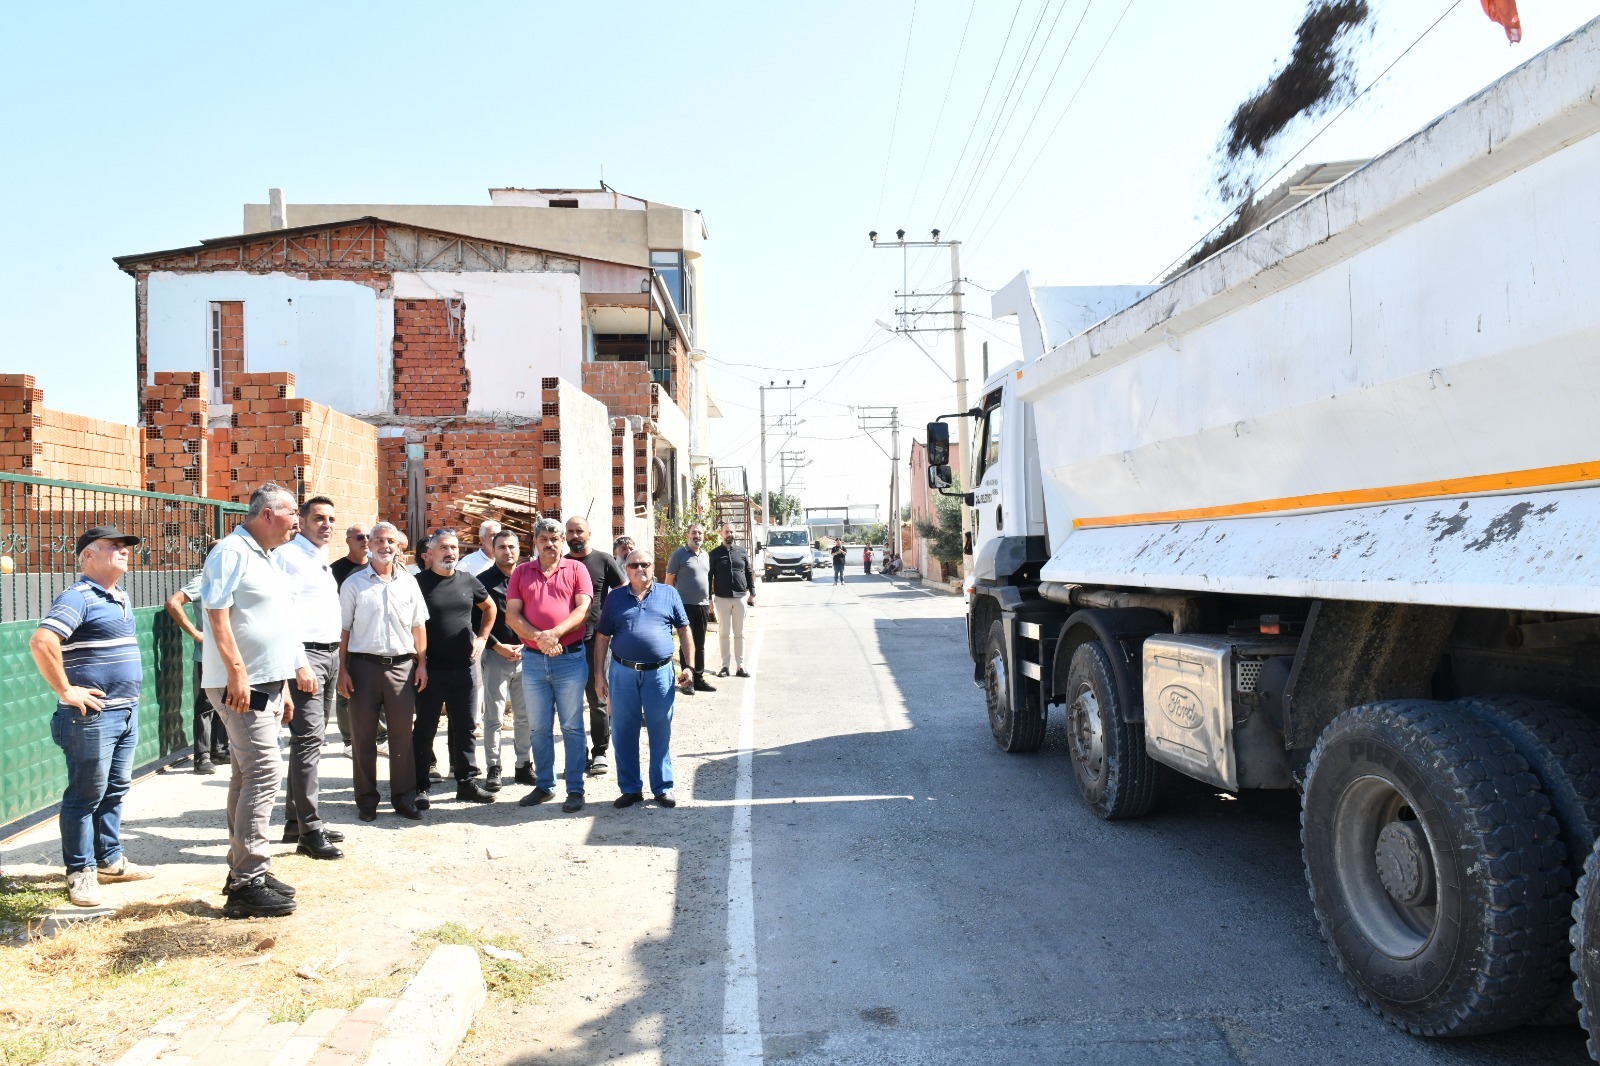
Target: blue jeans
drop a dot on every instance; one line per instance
(552, 688)
(642, 699)
(99, 750)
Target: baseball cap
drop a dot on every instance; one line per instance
(94, 533)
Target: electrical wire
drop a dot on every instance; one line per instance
(933, 138)
(888, 155)
(976, 118)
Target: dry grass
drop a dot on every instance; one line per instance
(93, 988)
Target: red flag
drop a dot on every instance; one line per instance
(1505, 13)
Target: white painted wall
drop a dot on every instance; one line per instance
(520, 328)
(585, 458)
(333, 336)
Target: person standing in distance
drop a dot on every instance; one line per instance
(547, 599)
(621, 548)
(317, 591)
(636, 627)
(502, 667)
(210, 739)
(356, 556)
(253, 651)
(838, 562)
(689, 572)
(454, 646)
(604, 575)
(482, 556)
(86, 650)
(733, 587)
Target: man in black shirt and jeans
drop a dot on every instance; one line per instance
(606, 575)
(453, 646)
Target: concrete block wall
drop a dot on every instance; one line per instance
(430, 358)
(176, 437)
(341, 462)
(577, 473)
(40, 442)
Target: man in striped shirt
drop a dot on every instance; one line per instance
(87, 651)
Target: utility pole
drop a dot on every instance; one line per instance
(771, 386)
(958, 325)
(872, 418)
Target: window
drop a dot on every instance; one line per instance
(216, 353)
(679, 280)
(225, 333)
(989, 446)
(563, 203)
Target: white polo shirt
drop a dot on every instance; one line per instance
(379, 614)
(316, 589)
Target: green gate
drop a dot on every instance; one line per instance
(39, 525)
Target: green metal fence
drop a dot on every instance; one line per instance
(40, 521)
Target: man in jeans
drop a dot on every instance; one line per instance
(501, 664)
(733, 587)
(689, 571)
(86, 650)
(317, 592)
(547, 600)
(454, 646)
(253, 651)
(604, 575)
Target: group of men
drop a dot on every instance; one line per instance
(287, 636)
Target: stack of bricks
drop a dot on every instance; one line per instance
(624, 387)
(40, 442)
(20, 418)
(307, 448)
(430, 361)
(175, 412)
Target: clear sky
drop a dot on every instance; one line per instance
(795, 129)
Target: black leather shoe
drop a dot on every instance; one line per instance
(723, 672)
(409, 811)
(701, 685)
(536, 797)
(203, 765)
(333, 835)
(256, 900)
(665, 799)
(574, 803)
(469, 790)
(741, 673)
(316, 845)
(524, 775)
(628, 799)
(291, 835)
(282, 889)
(491, 780)
(367, 816)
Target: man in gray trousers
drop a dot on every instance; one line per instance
(245, 667)
(317, 595)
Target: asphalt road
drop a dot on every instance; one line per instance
(918, 896)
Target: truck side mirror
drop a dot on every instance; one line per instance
(939, 477)
(938, 447)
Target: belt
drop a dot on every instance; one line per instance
(321, 647)
(382, 660)
(642, 667)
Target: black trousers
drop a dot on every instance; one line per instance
(451, 692)
(699, 615)
(210, 739)
(599, 720)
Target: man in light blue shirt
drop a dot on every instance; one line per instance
(253, 651)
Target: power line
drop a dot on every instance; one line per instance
(976, 118)
(905, 61)
(933, 137)
(1273, 176)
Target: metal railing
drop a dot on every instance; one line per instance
(41, 519)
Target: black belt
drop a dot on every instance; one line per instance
(382, 660)
(642, 667)
(321, 647)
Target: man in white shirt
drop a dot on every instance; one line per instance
(483, 558)
(305, 558)
(382, 644)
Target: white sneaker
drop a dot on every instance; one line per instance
(123, 870)
(82, 888)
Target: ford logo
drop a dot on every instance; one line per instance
(1181, 706)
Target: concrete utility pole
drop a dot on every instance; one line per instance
(958, 325)
(872, 418)
(766, 508)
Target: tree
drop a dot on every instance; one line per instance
(673, 533)
(785, 509)
(944, 536)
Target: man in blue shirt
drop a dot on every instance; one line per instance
(636, 628)
(87, 651)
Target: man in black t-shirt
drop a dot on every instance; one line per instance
(605, 575)
(500, 667)
(453, 646)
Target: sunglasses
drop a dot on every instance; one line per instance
(639, 566)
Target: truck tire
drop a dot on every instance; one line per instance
(1115, 774)
(1014, 732)
(1562, 747)
(1586, 950)
(1434, 868)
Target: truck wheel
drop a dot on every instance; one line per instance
(1115, 773)
(1434, 868)
(1562, 747)
(1014, 732)
(1586, 950)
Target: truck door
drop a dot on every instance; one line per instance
(989, 510)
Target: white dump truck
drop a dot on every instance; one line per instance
(1323, 513)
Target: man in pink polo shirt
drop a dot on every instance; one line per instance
(547, 601)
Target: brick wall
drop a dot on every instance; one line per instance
(231, 315)
(41, 442)
(430, 363)
(176, 438)
(680, 374)
(624, 387)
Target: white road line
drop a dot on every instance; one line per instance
(741, 1009)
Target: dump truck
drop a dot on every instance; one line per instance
(1322, 512)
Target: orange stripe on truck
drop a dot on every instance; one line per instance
(1543, 477)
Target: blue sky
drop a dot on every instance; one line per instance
(794, 129)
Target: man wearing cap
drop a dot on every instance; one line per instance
(86, 650)
(252, 653)
(317, 607)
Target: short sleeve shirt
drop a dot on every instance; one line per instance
(378, 614)
(450, 630)
(641, 630)
(196, 612)
(258, 594)
(494, 583)
(546, 601)
(691, 575)
(604, 575)
(99, 647)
